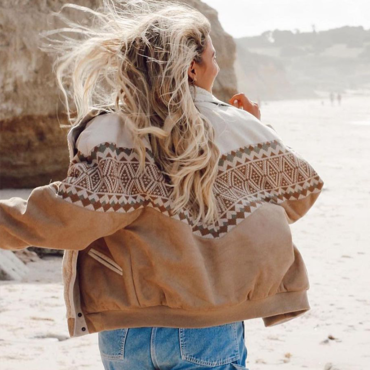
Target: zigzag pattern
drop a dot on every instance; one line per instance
(108, 181)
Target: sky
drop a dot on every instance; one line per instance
(252, 17)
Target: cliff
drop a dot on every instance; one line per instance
(285, 65)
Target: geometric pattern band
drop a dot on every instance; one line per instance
(108, 181)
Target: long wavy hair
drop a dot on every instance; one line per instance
(133, 59)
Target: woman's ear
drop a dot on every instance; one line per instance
(192, 71)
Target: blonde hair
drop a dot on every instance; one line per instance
(133, 59)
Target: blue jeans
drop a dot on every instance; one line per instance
(219, 347)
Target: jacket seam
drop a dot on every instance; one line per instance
(133, 284)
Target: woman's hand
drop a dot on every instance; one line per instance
(241, 101)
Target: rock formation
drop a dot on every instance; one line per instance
(11, 266)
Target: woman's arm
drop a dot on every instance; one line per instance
(47, 220)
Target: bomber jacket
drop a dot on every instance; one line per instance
(130, 261)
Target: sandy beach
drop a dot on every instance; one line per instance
(333, 238)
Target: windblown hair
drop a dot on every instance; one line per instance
(133, 59)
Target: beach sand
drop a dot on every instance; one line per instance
(333, 238)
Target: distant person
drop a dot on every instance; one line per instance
(339, 98)
(332, 98)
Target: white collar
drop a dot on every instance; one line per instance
(203, 95)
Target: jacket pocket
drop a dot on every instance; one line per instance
(106, 261)
(210, 346)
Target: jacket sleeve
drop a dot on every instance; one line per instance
(282, 175)
(47, 220)
(294, 183)
(279, 174)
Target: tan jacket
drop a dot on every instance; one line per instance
(129, 261)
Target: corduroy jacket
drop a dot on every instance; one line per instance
(130, 261)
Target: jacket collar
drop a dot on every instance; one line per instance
(202, 95)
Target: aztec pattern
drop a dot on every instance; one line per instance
(108, 181)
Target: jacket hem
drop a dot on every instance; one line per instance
(274, 310)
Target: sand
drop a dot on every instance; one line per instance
(333, 238)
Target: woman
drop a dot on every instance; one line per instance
(175, 211)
